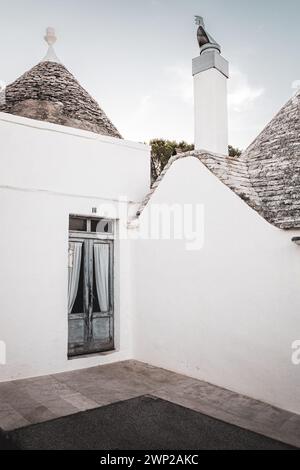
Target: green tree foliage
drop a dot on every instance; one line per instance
(234, 152)
(162, 151)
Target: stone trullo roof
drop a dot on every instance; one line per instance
(267, 175)
(273, 162)
(49, 92)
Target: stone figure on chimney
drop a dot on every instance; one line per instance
(205, 40)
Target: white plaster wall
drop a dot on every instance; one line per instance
(48, 172)
(39, 155)
(211, 111)
(226, 314)
(34, 285)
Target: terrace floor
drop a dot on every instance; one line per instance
(36, 400)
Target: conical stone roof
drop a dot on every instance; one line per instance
(49, 92)
(273, 163)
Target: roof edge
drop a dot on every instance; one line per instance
(74, 131)
(246, 193)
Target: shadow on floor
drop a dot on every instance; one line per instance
(6, 442)
(144, 423)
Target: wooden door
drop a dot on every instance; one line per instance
(91, 318)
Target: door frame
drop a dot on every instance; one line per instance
(89, 347)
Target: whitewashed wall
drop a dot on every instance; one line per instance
(40, 155)
(46, 173)
(226, 314)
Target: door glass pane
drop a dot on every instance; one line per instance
(78, 305)
(96, 306)
(77, 225)
(102, 276)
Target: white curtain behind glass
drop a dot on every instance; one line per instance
(75, 253)
(101, 254)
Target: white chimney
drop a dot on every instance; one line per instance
(211, 72)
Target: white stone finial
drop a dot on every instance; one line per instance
(51, 39)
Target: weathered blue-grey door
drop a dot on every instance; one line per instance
(91, 300)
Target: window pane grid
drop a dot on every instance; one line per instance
(91, 225)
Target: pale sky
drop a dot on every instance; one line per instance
(134, 57)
